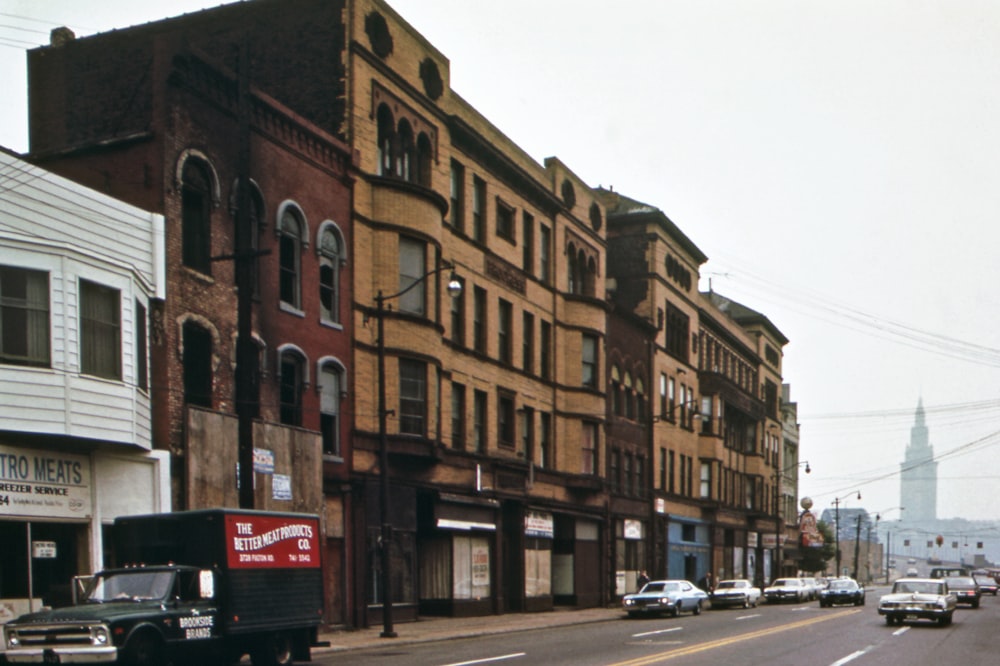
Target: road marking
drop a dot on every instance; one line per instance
(901, 630)
(659, 631)
(853, 656)
(723, 642)
(748, 617)
(515, 655)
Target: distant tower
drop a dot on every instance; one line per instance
(918, 473)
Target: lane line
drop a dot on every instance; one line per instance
(747, 617)
(853, 656)
(660, 631)
(900, 631)
(722, 642)
(515, 655)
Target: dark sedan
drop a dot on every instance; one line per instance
(965, 589)
(987, 584)
(842, 591)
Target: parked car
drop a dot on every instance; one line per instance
(987, 584)
(842, 591)
(918, 598)
(665, 596)
(965, 589)
(812, 586)
(786, 589)
(737, 592)
(912, 572)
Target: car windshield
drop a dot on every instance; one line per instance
(842, 585)
(985, 580)
(785, 582)
(135, 585)
(960, 581)
(917, 587)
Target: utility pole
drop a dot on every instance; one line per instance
(857, 548)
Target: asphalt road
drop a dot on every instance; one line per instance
(777, 635)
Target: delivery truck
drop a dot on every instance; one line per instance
(205, 586)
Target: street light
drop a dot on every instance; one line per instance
(779, 521)
(836, 502)
(454, 290)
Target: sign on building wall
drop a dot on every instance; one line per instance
(538, 524)
(632, 529)
(44, 483)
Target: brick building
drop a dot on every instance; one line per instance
(151, 115)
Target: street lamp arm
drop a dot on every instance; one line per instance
(453, 284)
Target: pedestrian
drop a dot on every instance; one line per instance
(641, 580)
(706, 582)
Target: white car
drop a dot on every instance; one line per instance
(916, 598)
(737, 592)
(786, 589)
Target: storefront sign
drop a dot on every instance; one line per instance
(538, 524)
(632, 529)
(751, 539)
(43, 550)
(36, 482)
(480, 564)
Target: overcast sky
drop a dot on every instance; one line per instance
(838, 163)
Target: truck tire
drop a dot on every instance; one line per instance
(145, 648)
(272, 650)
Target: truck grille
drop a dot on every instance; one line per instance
(57, 635)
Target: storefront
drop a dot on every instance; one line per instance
(54, 508)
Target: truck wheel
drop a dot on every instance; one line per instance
(272, 650)
(144, 649)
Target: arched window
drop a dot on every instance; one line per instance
(629, 397)
(290, 251)
(616, 391)
(640, 399)
(331, 385)
(386, 141)
(196, 210)
(331, 258)
(406, 159)
(589, 277)
(573, 274)
(291, 381)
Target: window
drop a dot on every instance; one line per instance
(458, 316)
(671, 397)
(589, 361)
(479, 320)
(458, 416)
(330, 261)
(197, 365)
(479, 399)
(196, 208)
(663, 396)
(616, 391)
(628, 396)
(663, 469)
(290, 257)
(412, 269)
(614, 471)
(505, 221)
(627, 475)
(544, 254)
(676, 331)
(588, 457)
(545, 453)
(528, 243)
(478, 209)
(141, 348)
(331, 383)
(504, 333)
(671, 473)
(386, 141)
(528, 342)
(640, 476)
(528, 434)
(706, 480)
(456, 213)
(545, 351)
(290, 384)
(24, 316)
(505, 420)
(100, 331)
(640, 399)
(412, 397)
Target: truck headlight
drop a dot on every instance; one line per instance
(99, 636)
(12, 639)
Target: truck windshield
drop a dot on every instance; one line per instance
(135, 585)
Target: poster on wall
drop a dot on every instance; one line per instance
(36, 482)
(480, 564)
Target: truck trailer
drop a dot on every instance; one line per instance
(204, 586)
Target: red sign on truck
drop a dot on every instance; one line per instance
(257, 541)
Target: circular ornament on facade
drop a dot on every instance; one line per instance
(378, 34)
(568, 193)
(429, 74)
(596, 220)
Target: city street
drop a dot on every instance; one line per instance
(779, 635)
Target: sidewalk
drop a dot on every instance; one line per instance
(444, 628)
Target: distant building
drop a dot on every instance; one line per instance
(918, 474)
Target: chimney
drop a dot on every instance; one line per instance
(61, 36)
